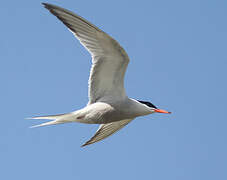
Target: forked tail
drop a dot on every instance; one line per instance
(56, 119)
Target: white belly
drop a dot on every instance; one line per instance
(105, 112)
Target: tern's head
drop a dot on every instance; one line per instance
(153, 107)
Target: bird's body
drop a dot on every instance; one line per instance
(108, 103)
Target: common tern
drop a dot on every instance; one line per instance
(108, 103)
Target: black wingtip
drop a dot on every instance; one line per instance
(83, 145)
(87, 143)
(47, 6)
(44, 4)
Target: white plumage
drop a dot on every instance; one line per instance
(108, 104)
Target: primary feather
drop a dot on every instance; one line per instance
(108, 104)
(109, 59)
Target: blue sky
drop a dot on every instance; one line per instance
(178, 62)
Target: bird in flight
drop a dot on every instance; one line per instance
(108, 103)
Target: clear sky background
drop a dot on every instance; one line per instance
(178, 62)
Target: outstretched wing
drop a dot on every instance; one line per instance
(109, 60)
(105, 130)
